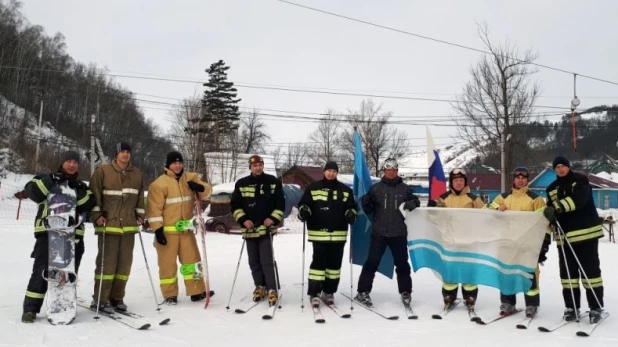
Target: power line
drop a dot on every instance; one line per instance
(443, 41)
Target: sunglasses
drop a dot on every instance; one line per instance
(389, 166)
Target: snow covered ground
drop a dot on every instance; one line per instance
(192, 325)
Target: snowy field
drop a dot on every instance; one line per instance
(192, 325)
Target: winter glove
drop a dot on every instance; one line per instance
(410, 205)
(58, 177)
(551, 213)
(196, 187)
(77, 184)
(304, 212)
(367, 204)
(432, 203)
(350, 216)
(160, 236)
(543, 255)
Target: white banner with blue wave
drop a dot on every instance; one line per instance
(480, 246)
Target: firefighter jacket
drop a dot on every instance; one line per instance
(170, 200)
(463, 199)
(256, 198)
(329, 201)
(38, 189)
(119, 195)
(579, 218)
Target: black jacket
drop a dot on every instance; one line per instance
(328, 201)
(579, 219)
(37, 190)
(383, 200)
(256, 198)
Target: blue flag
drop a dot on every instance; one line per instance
(361, 230)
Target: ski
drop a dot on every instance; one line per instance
(139, 316)
(501, 316)
(474, 317)
(317, 315)
(562, 324)
(248, 307)
(372, 309)
(593, 326)
(135, 323)
(525, 323)
(335, 309)
(270, 312)
(446, 310)
(410, 312)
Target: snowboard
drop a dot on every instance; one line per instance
(61, 277)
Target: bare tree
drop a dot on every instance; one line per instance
(497, 100)
(297, 154)
(277, 157)
(253, 133)
(381, 140)
(326, 139)
(184, 132)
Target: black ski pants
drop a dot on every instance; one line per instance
(37, 286)
(325, 269)
(531, 297)
(588, 254)
(262, 262)
(399, 249)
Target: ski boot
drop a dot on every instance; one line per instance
(201, 296)
(259, 293)
(103, 306)
(470, 301)
(364, 299)
(272, 297)
(406, 298)
(570, 315)
(172, 300)
(118, 305)
(595, 315)
(28, 317)
(507, 309)
(328, 298)
(449, 301)
(531, 311)
(315, 301)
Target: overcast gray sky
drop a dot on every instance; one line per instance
(267, 42)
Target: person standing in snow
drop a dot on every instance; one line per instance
(570, 204)
(37, 190)
(521, 198)
(118, 188)
(458, 196)
(257, 204)
(170, 207)
(327, 206)
(388, 230)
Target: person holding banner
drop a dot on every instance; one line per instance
(383, 200)
(520, 198)
(458, 196)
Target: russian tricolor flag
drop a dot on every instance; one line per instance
(437, 180)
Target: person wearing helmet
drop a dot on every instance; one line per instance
(257, 205)
(521, 198)
(388, 230)
(458, 196)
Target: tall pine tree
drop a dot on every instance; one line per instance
(220, 115)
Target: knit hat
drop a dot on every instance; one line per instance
(331, 165)
(457, 173)
(173, 157)
(256, 159)
(561, 160)
(69, 155)
(123, 146)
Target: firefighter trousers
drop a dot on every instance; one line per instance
(588, 254)
(180, 247)
(325, 269)
(531, 297)
(117, 259)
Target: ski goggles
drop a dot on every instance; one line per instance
(458, 171)
(520, 172)
(390, 165)
(256, 159)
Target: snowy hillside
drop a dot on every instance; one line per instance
(452, 156)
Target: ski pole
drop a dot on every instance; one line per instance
(242, 248)
(101, 273)
(154, 293)
(562, 235)
(272, 249)
(302, 278)
(351, 273)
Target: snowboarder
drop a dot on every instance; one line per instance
(327, 206)
(118, 188)
(388, 229)
(521, 198)
(170, 210)
(458, 196)
(570, 203)
(37, 190)
(257, 205)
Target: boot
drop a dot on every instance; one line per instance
(118, 305)
(531, 311)
(172, 300)
(103, 306)
(449, 300)
(595, 315)
(201, 296)
(364, 299)
(272, 297)
(315, 301)
(259, 293)
(328, 298)
(28, 317)
(507, 309)
(470, 301)
(570, 315)
(406, 298)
